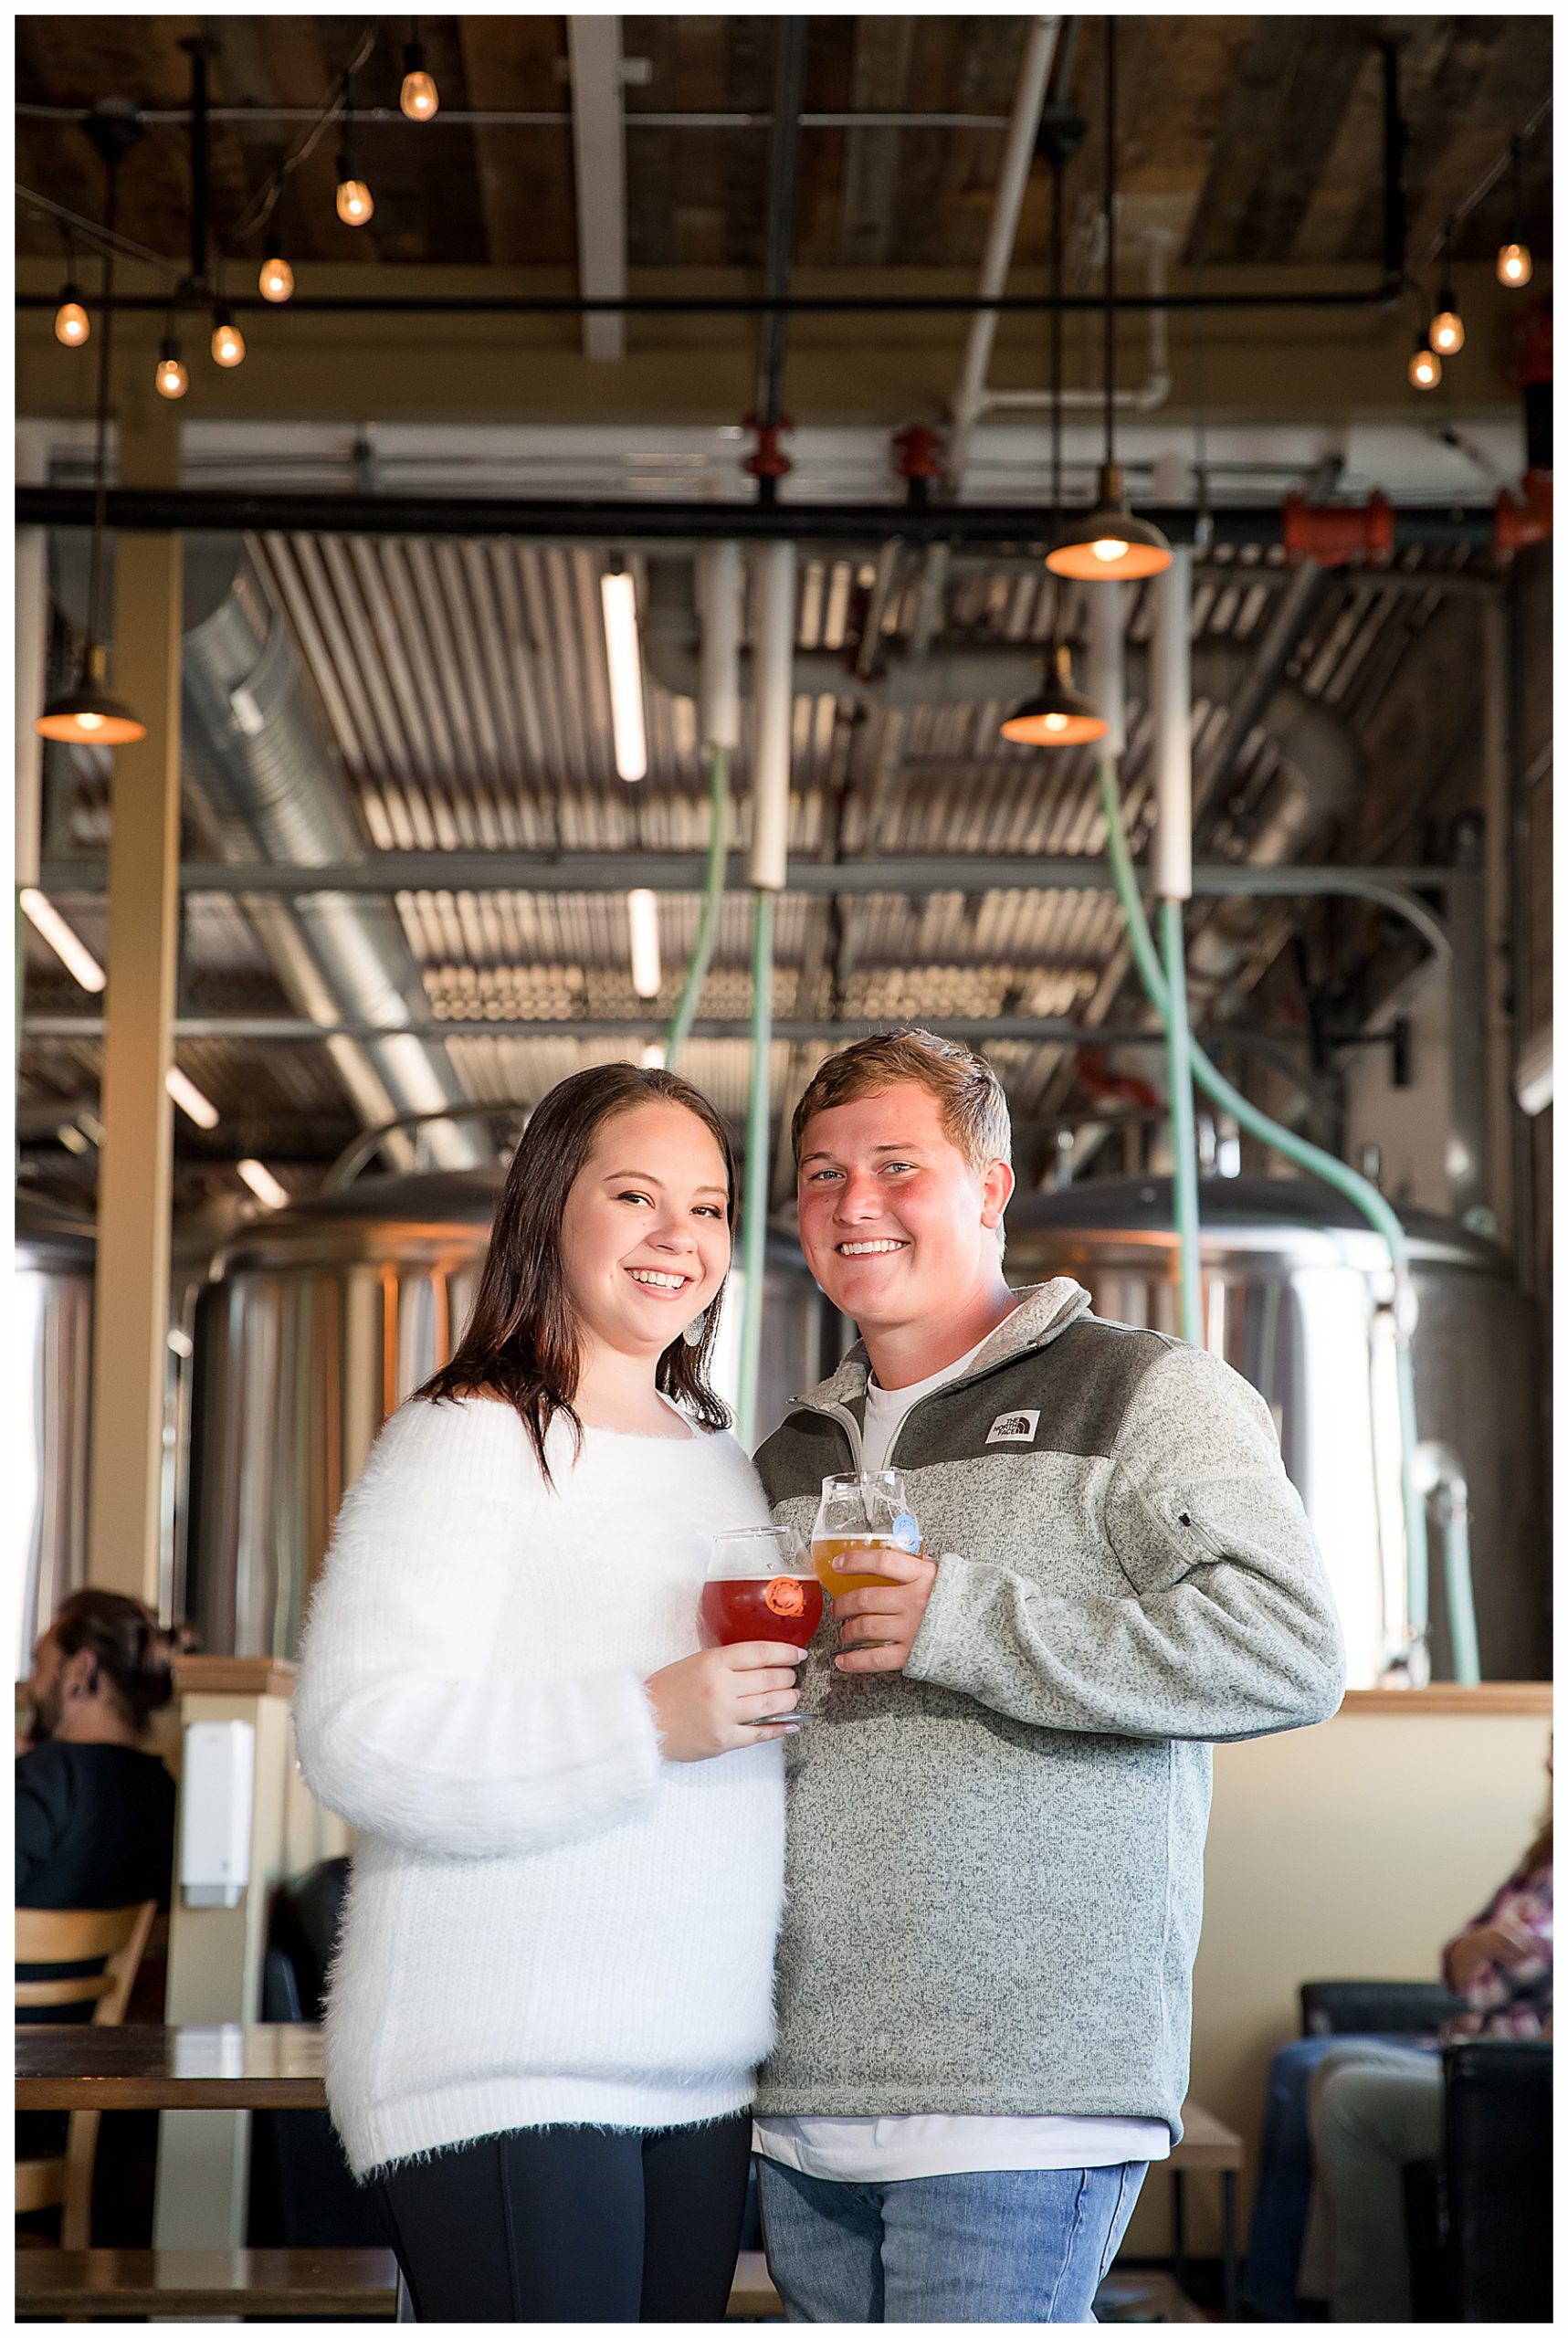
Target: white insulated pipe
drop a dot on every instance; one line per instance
(1012, 179)
(32, 618)
(718, 689)
(773, 671)
(1105, 671)
(1171, 704)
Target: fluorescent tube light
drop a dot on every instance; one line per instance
(1533, 1073)
(190, 1099)
(68, 948)
(646, 974)
(619, 596)
(262, 1183)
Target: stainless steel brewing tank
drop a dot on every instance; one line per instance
(53, 1262)
(318, 1319)
(1296, 1288)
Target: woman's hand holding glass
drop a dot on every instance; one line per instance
(759, 1606)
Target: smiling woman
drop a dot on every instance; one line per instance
(502, 1688)
(591, 1255)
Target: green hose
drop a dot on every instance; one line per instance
(1184, 1135)
(759, 1167)
(712, 894)
(1365, 1196)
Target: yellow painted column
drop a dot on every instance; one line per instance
(136, 1164)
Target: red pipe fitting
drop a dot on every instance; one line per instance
(767, 458)
(1335, 534)
(918, 452)
(1113, 1087)
(1525, 518)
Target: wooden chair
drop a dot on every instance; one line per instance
(77, 1936)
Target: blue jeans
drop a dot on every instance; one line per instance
(1285, 2177)
(1023, 2245)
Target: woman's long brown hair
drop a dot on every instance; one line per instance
(521, 1339)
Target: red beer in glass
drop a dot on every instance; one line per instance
(760, 1586)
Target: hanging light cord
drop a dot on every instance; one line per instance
(101, 454)
(1058, 610)
(1483, 187)
(1109, 240)
(259, 212)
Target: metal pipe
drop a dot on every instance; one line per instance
(1386, 294)
(773, 715)
(511, 118)
(566, 519)
(1012, 180)
(713, 898)
(789, 81)
(1440, 1479)
(758, 1120)
(1170, 671)
(1151, 393)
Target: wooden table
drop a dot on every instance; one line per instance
(261, 2066)
(1208, 2144)
(276, 2066)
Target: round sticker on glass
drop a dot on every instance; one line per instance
(785, 1596)
(906, 1533)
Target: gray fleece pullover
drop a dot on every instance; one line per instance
(995, 1867)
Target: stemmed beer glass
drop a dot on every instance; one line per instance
(858, 1515)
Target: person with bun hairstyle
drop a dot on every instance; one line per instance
(95, 1808)
(554, 1977)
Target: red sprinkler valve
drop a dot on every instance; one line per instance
(1333, 534)
(1524, 519)
(767, 458)
(918, 452)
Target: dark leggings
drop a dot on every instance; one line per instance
(573, 2223)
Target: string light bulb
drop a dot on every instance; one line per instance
(1446, 333)
(276, 281)
(419, 96)
(228, 341)
(72, 325)
(356, 205)
(1514, 266)
(1425, 370)
(171, 380)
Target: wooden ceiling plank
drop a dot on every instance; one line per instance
(1249, 134)
(525, 175)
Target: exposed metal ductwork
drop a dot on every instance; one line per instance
(270, 787)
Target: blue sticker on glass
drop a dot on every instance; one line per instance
(905, 1532)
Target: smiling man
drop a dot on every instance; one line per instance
(999, 1795)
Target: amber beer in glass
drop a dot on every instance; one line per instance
(759, 1587)
(858, 1516)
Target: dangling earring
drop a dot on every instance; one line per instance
(693, 1333)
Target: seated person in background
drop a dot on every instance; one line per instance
(1376, 2107)
(95, 1810)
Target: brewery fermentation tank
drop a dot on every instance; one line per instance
(1297, 1295)
(53, 1262)
(317, 1322)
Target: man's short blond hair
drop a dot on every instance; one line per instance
(975, 1115)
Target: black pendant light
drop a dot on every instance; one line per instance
(1060, 716)
(1107, 545)
(87, 714)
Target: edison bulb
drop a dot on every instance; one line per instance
(1514, 265)
(1447, 333)
(1056, 723)
(276, 281)
(355, 202)
(89, 721)
(228, 344)
(71, 325)
(1110, 548)
(1426, 369)
(170, 378)
(419, 98)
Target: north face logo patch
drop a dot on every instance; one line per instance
(1013, 1429)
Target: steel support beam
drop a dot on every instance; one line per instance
(567, 520)
(598, 153)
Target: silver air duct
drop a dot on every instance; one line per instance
(272, 790)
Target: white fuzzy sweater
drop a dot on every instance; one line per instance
(547, 1922)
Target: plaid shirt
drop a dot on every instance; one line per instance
(1511, 1999)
